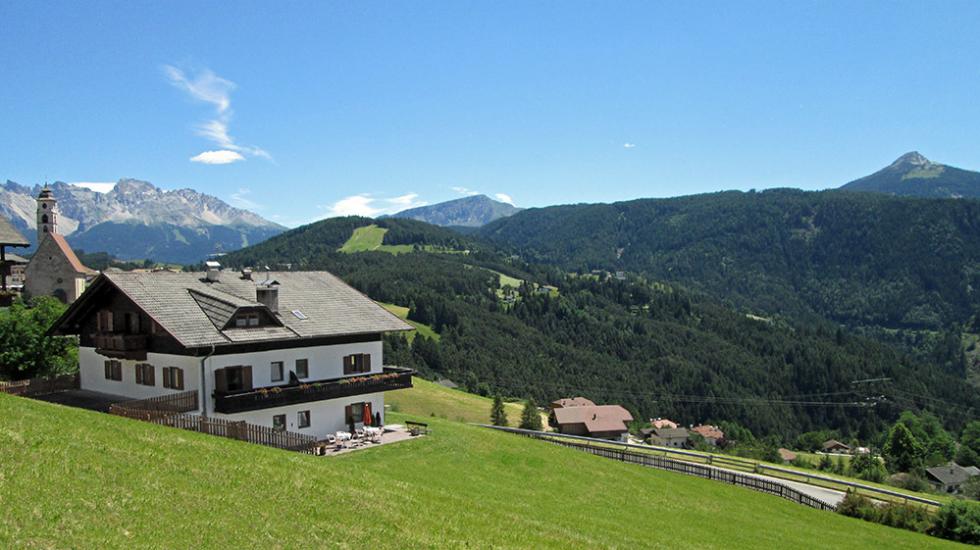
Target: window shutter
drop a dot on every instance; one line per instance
(139, 373)
(108, 370)
(150, 375)
(221, 380)
(166, 377)
(179, 378)
(367, 362)
(348, 359)
(247, 377)
(348, 412)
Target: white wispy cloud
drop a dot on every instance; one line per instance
(366, 205)
(504, 197)
(205, 86)
(97, 186)
(629, 145)
(210, 88)
(465, 191)
(217, 157)
(240, 199)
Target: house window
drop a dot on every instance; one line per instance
(357, 363)
(132, 323)
(173, 378)
(231, 379)
(104, 320)
(303, 419)
(355, 413)
(302, 368)
(145, 374)
(279, 422)
(277, 371)
(113, 370)
(243, 320)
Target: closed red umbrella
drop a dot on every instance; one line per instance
(367, 414)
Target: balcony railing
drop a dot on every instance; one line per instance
(392, 378)
(125, 346)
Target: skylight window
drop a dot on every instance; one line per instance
(299, 315)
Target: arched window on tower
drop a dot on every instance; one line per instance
(45, 229)
(44, 218)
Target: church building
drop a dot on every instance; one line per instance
(54, 270)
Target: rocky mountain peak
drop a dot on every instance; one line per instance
(911, 160)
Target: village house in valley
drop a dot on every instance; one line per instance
(295, 351)
(712, 434)
(580, 416)
(950, 477)
(11, 266)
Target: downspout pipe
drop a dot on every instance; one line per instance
(204, 381)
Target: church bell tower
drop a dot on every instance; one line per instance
(47, 214)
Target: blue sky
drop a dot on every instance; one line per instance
(305, 110)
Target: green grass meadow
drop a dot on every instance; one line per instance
(428, 399)
(77, 479)
(371, 237)
(402, 313)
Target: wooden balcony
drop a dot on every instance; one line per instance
(392, 378)
(121, 346)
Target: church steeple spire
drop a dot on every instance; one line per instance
(47, 213)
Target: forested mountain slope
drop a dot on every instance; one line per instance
(465, 212)
(656, 348)
(916, 176)
(855, 258)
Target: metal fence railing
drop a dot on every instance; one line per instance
(806, 477)
(624, 454)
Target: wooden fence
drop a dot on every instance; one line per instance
(173, 403)
(689, 468)
(40, 386)
(240, 430)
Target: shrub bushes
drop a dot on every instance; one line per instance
(959, 521)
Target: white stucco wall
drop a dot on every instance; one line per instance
(325, 362)
(326, 417)
(91, 367)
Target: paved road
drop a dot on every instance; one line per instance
(829, 496)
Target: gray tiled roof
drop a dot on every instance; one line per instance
(671, 433)
(10, 236)
(186, 306)
(949, 474)
(219, 310)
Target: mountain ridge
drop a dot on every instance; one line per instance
(137, 220)
(914, 175)
(472, 211)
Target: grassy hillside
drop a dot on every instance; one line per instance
(402, 313)
(370, 237)
(431, 399)
(72, 478)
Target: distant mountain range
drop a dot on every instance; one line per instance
(913, 175)
(138, 220)
(472, 211)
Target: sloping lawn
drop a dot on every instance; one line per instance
(430, 399)
(72, 478)
(402, 313)
(369, 238)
